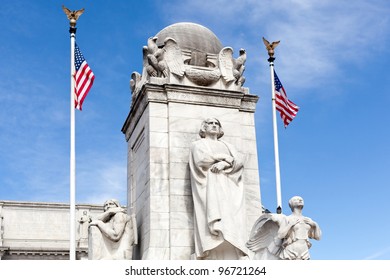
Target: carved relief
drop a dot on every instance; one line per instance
(203, 76)
(160, 64)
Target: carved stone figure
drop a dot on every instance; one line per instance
(113, 234)
(157, 62)
(173, 57)
(155, 58)
(219, 209)
(232, 69)
(276, 236)
(84, 221)
(189, 54)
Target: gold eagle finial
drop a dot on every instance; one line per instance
(73, 16)
(270, 46)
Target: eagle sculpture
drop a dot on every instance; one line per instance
(73, 16)
(270, 46)
(232, 69)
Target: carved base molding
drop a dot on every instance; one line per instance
(7, 253)
(172, 93)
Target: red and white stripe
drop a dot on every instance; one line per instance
(84, 78)
(287, 109)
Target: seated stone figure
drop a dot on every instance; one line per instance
(276, 236)
(113, 234)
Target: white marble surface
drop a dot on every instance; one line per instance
(37, 230)
(168, 118)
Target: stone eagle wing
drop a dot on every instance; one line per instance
(173, 57)
(263, 238)
(226, 64)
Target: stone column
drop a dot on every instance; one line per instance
(163, 121)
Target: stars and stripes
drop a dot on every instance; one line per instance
(287, 109)
(83, 76)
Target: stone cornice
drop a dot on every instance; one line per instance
(196, 95)
(51, 205)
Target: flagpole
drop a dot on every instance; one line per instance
(271, 51)
(276, 144)
(72, 245)
(72, 16)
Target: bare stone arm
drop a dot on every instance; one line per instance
(113, 230)
(315, 231)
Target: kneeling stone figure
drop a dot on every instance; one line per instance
(113, 234)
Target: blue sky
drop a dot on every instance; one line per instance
(332, 60)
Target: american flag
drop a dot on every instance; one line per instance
(287, 109)
(83, 76)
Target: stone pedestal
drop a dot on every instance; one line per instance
(163, 121)
(187, 77)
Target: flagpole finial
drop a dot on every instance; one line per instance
(73, 16)
(271, 60)
(270, 48)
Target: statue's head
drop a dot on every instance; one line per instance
(111, 203)
(211, 125)
(296, 202)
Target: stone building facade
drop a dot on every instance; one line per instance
(40, 231)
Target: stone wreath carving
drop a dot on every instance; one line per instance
(171, 64)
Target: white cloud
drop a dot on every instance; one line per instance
(381, 254)
(100, 178)
(319, 39)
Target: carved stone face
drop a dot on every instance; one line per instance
(212, 127)
(109, 204)
(296, 201)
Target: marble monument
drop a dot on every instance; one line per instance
(187, 76)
